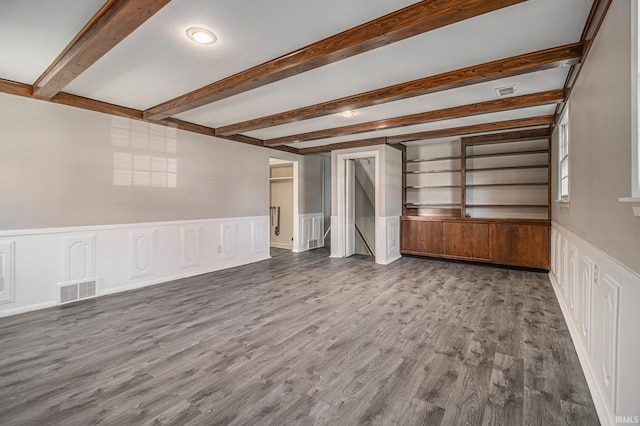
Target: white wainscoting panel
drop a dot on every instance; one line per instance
(124, 257)
(190, 246)
(7, 271)
(310, 228)
(600, 301)
(228, 240)
(609, 344)
(584, 301)
(78, 258)
(259, 237)
(141, 253)
(572, 285)
(564, 247)
(388, 240)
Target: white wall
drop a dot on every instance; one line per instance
(388, 202)
(79, 186)
(595, 238)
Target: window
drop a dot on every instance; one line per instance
(563, 157)
(635, 111)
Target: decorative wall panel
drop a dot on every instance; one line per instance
(78, 258)
(190, 246)
(141, 253)
(7, 278)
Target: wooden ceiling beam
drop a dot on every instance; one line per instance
(516, 65)
(545, 120)
(497, 105)
(453, 131)
(519, 135)
(342, 145)
(415, 19)
(113, 22)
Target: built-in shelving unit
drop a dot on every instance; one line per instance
(460, 194)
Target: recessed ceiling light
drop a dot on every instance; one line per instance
(349, 113)
(201, 35)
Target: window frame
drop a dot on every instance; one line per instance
(634, 198)
(564, 149)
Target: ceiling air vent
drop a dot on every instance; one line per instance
(506, 91)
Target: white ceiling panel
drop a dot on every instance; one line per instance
(34, 32)
(158, 62)
(526, 84)
(445, 124)
(523, 28)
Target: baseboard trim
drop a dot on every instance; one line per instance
(281, 246)
(30, 308)
(181, 276)
(392, 259)
(599, 401)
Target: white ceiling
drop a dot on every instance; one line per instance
(157, 62)
(34, 32)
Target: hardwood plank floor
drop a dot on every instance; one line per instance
(302, 339)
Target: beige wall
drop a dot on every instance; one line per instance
(600, 150)
(57, 170)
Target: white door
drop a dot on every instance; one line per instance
(350, 208)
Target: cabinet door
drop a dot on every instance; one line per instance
(422, 237)
(519, 244)
(467, 240)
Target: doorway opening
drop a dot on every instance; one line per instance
(360, 202)
(283, 203)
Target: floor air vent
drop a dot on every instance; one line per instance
(78, 291)
(313, 244)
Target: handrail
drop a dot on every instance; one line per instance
(364, 240)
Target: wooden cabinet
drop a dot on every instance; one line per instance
(466, 240)
(520, 244)
(422, 237)
(505, 241)
(483, 198)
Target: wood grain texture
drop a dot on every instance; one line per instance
(516, 65)
(422, 236)
(515, 242)
(415, 19)
(496, 105)
(470, 240)
(524, 245)
(474, 128)
(108, 27)
(453, 131)
(520, 135)
(301, 339)
(342, 145)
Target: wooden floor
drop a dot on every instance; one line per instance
(302, 339)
